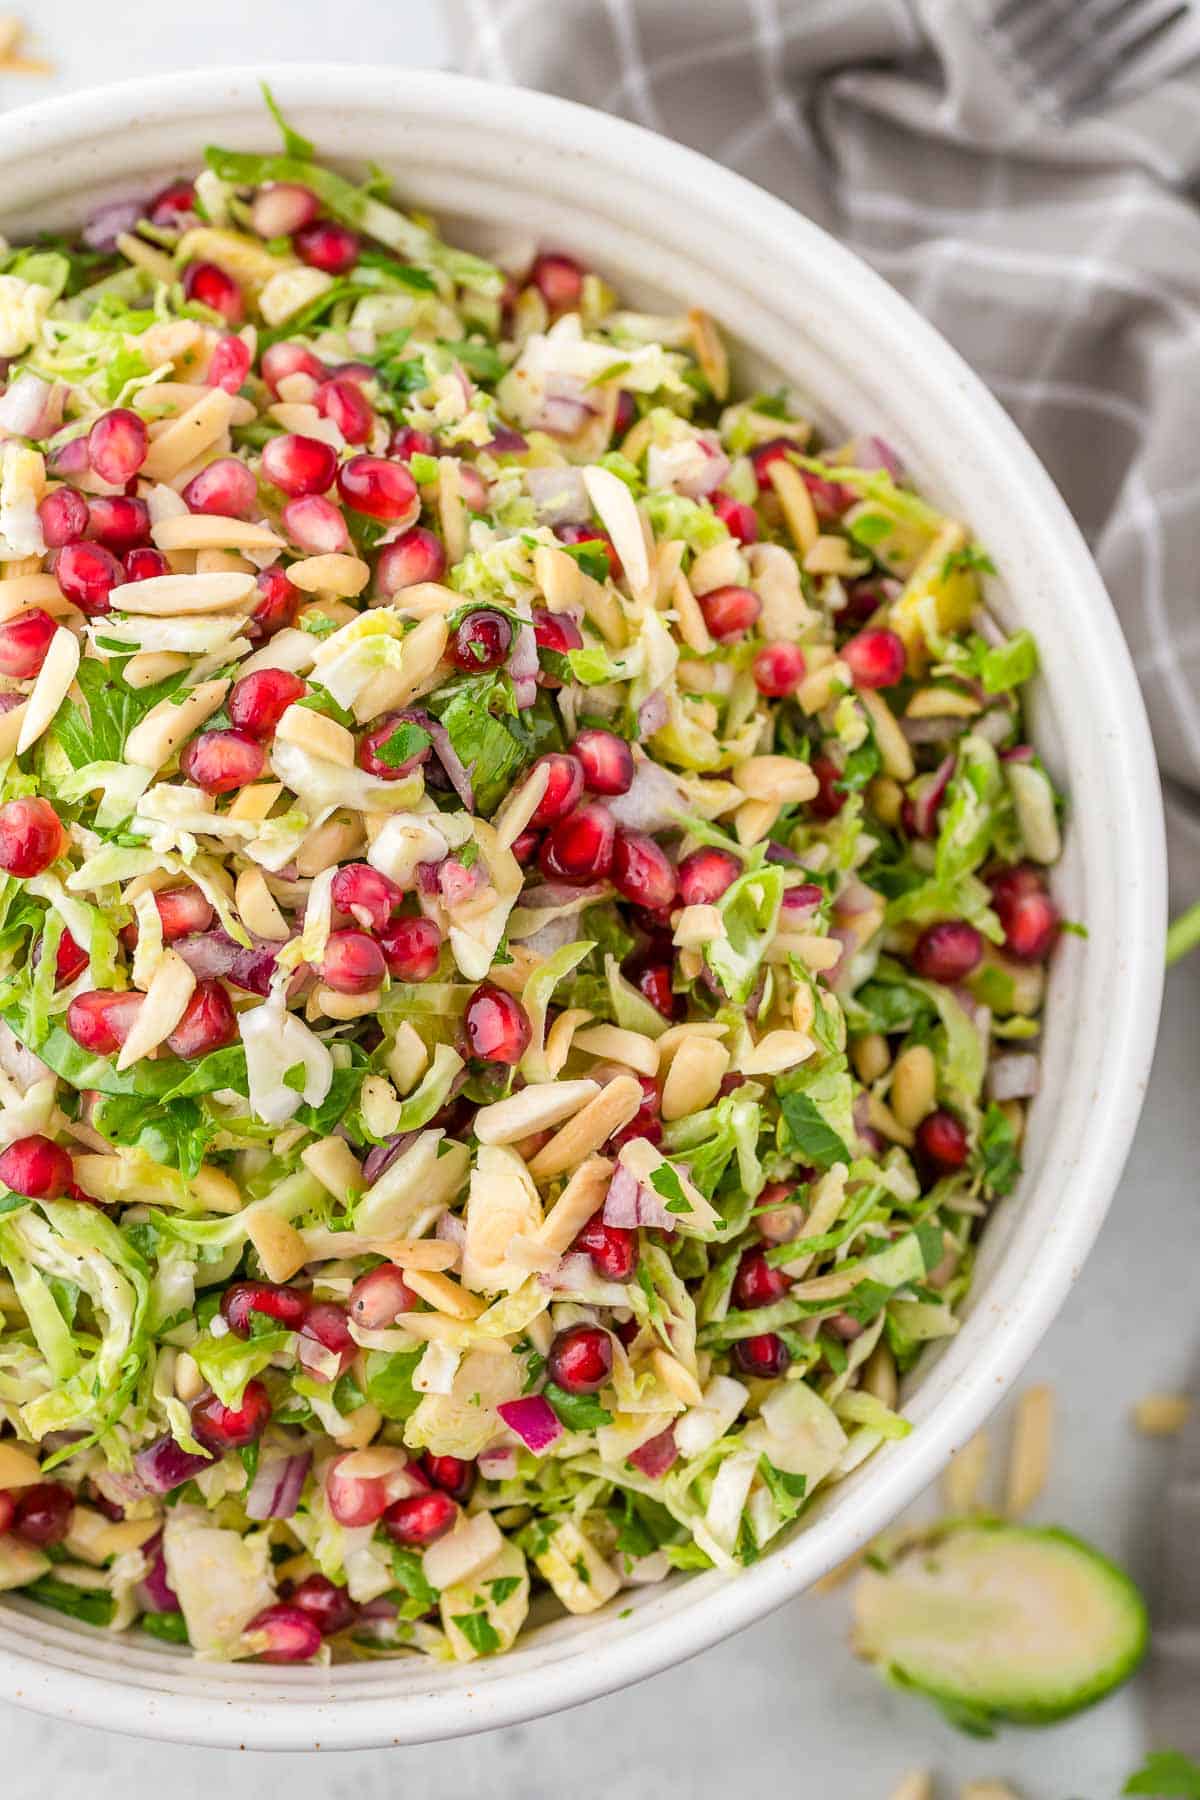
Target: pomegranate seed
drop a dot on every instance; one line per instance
(31, 837)
(354, 1500)
(829, 798)
(942, 1141)
(763, 455)
(283, 1304)
(947, 952)
(353, 963)
(645, 1121)
(525, 846)
(482, 641)
(210, 286)
(64, 517)
(37, 1167)
(117, 446)
(417, 556)
(291, 1635)
(804, 897)
(641, 870)
(370, 746)
(173, 207)
(182, 910)
(144, 564)
(730, 611)
(208, 1023)
(220, 761)
(221, 1428)
(70, 960)
(454, 1475)
(328, 1606)
(420, 1519)
(277, 608)
(43, 1513)
(315, 524)
(280, 361)
(407, 441)
(1027, 914)
(764, 1356)
(24, 641)
(740, 520)
(876, 659)
(653, 981)
(101, 1019)
(757, 1283)
(281, 208)
(564, 787)
(496, 1026)
(229, 364)
(558, 279)
(118, 522)
(580, 847)
(778, 669)
(863, 601)
(8, 1510)
(326, 1325)
(324, 244)
(345, 403)
(411, 948)
(592, 534)
(366, 894)
(226, 487)
(379, 1297)
(298, 465)
(704, 875)
(607, 761)
(259, 700)
(87, 574)
(580, 1359)
(612, 1248)
(380, 489)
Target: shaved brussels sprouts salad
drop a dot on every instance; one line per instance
(523, 919)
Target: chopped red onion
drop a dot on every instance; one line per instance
(855, 898)
(876, 453)
(108, 222)
(381, 1156)
(630, 1203)
(155, 1593)
(504, 441)
(213, 955)
(451, 1229)
(933, 731)
(804, 897)
(70, 458)
(652, 713)
(456, 770)
(163, 1465)
(925, 806)
(656, 1455)
(550, 894)
(32, 408)
(275, 1491)
(498, 1463)
(1014, 1077)
(711, 474)
(456, 883)
(534, 1421)
(1020, 753)
(653, 803)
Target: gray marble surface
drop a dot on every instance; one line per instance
(783, 1705)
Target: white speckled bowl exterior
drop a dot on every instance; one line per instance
(499, 164)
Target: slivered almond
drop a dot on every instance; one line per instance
(281, 1249)
(222, 562)
(520, 804)
(698, 925)
(582, 1196)
(603, 607)
(721, 565)
(619, 515)
(942, 703)
(800, 515)
(20, 591)
(451, 510)
(327, 1001)
(429, 1254)
(151, 666)
(816, 953)
(18, 1468)
(881, 1118)
(783, 779)
(303, 417)
(253, 803)
(423, 600)
(1029, 1461)
(375, 1463)
(337, 840)
(408, 1058)
(775, 1052)
(879, 1376)
(317, 734)
(172, 596)
(675, 1036)
(331, 574)
(379, 1106)
(962, 1483)
(890, 741)
(561, 1033)
(216, 1191)
(710, 351)
(169, 724)
(171, 399)
(156, 263)
(668, 562)
(422, 653)
(188, 1382)
(335, 1166)
(753, 819)
(689, 619)
(823, 684)
(257, 906)
(559, 577)
(210, 531)
(694, 1078)
(11, 726)
(677, 1379)
(50, 689)
(615, 1044)
(613, 1107)
(160, 1012)
(533, 1108)
(190, 435)
(444, 1295)
(832, 556)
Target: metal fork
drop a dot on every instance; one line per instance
(1074, 54)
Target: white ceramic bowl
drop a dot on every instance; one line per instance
(662, 222)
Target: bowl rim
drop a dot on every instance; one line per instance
(499, 1695)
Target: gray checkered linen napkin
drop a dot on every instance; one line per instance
(1062, 261)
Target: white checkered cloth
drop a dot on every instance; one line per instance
(1062, 261)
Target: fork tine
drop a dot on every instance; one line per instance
(1088, 33)
(1140, 36)
(1011, 12)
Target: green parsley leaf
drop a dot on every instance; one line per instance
(479, 1632)
(1168, 1774)
(809, 1137)
(578, 1412)
(295, 1078)
(406, 741)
